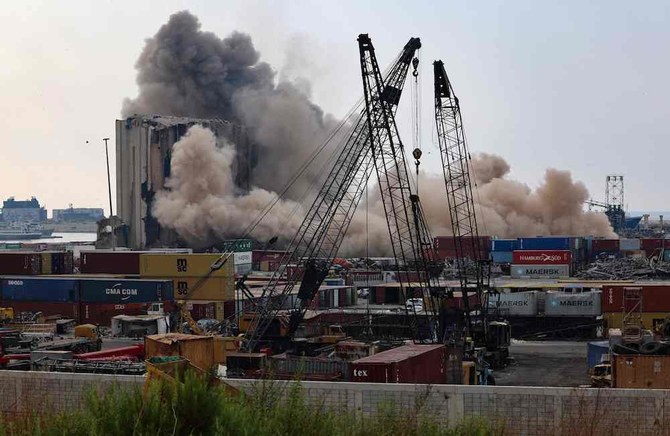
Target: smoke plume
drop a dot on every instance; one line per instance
(184, 71)
(203, 204)
(505, 208)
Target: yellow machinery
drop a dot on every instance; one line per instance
(6, 314)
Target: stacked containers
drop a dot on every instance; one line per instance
(541, 263)
(501, 250)
(102, 299)
(192, 279)
(655, 304)
(49, 295)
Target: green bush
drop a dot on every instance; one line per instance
(194, 407)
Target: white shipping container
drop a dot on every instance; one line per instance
(629, 244)
(514, 304)
(569, 304)
(540, 271)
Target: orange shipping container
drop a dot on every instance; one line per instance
(183, 265)
(640, 371)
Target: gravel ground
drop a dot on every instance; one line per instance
(545, 363)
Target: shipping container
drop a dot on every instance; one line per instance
(545, 243)
(542, 257)
(199, 288)
(183, 265)
(68, 310)
(597, 352)
(514, 304)
(655, 298)
(629, 244)
(406, 364)
(20, 263)
(111, 262)
(540, 271)
(124, 291)
(47, 289)
(504, 245)
(199, 350)
(309, 368)
(102, 313)
(502, 257)
(650, 320)
(202, 310)
(445, 247)
(640, 371)
(604, 245)
(573, 304)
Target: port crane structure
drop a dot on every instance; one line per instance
(320, 235)
(473, 267)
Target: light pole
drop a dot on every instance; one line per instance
(109, 190)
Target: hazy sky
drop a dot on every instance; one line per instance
(572, 85)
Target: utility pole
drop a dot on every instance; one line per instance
(109, 189)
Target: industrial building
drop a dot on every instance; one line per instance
(143, 153)
(23, 210)
(78, 214)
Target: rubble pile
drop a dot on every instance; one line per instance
(616, 269)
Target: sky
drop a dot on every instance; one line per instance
(573, 85)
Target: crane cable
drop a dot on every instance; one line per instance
(416, 117)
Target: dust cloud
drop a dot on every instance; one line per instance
(202, 203)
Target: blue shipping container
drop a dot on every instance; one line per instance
(595, 352)
(542, 243)
(502, 257)
(504, 245)
(125, 291)
(23, 288)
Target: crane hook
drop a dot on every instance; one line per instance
(415, 64)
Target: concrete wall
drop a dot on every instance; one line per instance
(522, 410)
(23, 392)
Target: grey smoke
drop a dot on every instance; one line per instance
(184, 71)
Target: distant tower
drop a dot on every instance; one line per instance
(615, 201)
(614, 191)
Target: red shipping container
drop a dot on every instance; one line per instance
(411, 363)
(65, 310)
(102, 314)
(542, 257)
(445, 246)
(604, 245)
(655, 298)
(110, 262)
(20, 263)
